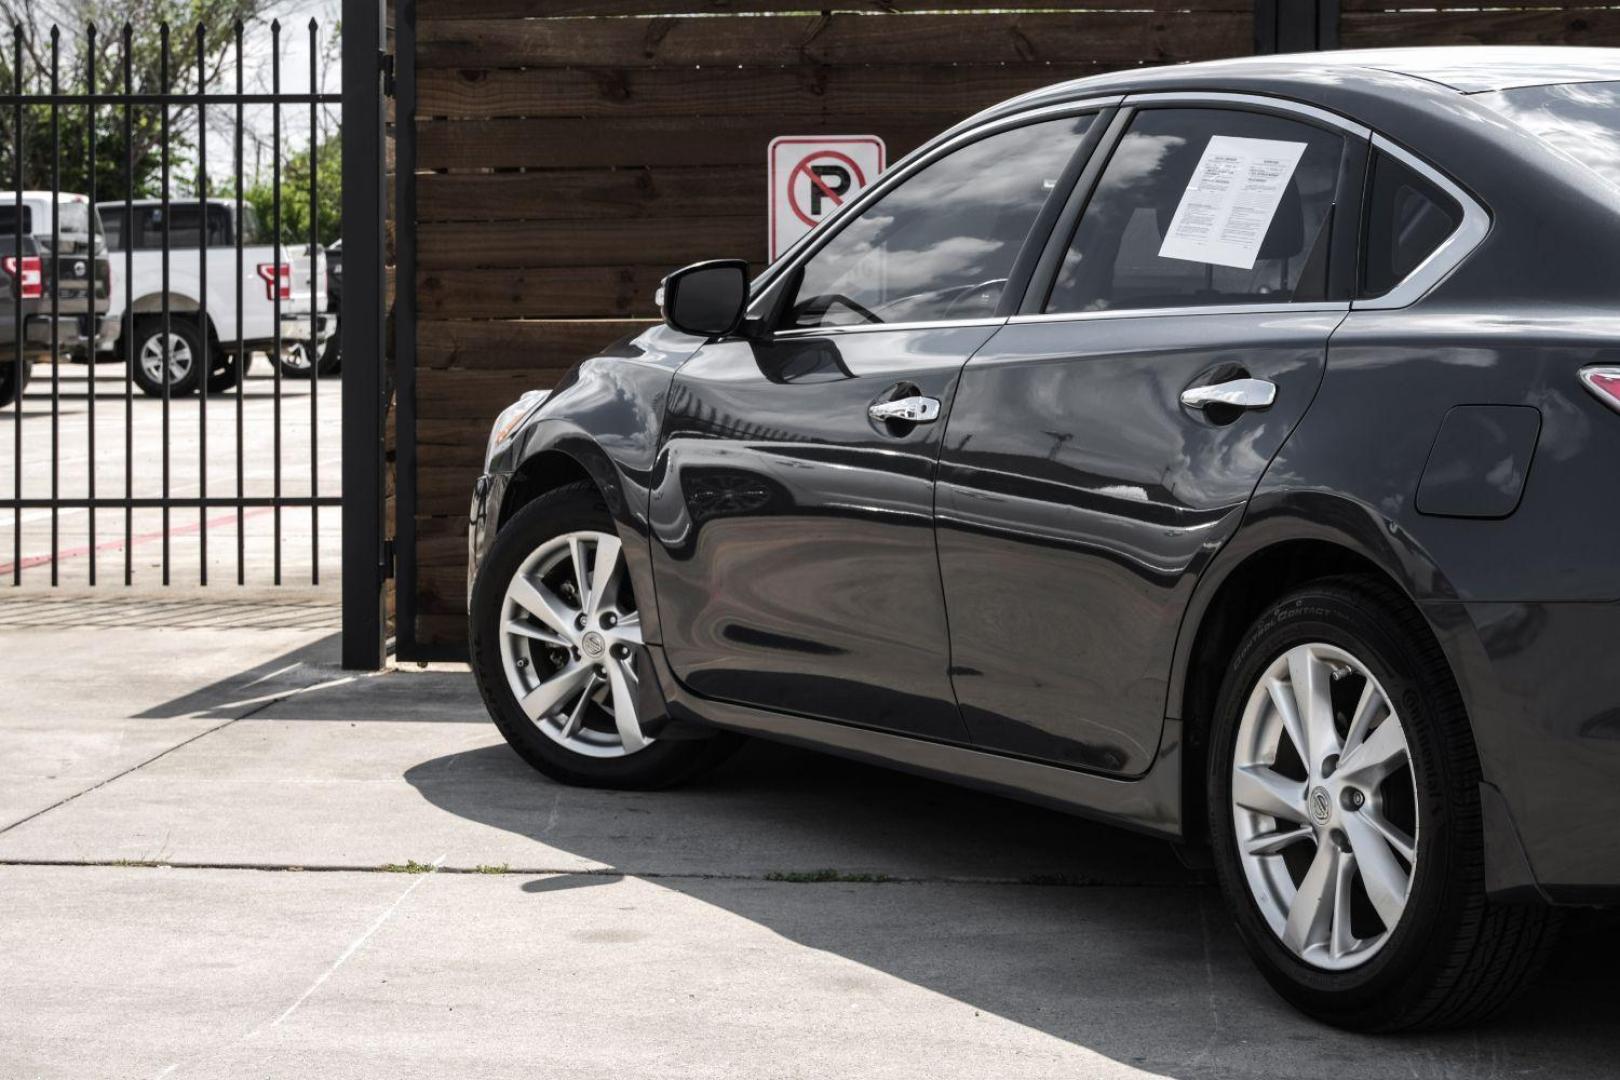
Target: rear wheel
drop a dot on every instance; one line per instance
(183, 349)
(555, 633)
(295, 361)
(1344, 805)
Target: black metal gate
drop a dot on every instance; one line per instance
(155, 132)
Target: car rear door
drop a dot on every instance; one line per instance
(1091, 468)
(792, 516)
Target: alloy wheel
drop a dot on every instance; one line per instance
(1325, 806)
(568, 638)
(179, 358)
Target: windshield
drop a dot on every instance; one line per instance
(1579, 120)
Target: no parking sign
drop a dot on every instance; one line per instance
(812, 176)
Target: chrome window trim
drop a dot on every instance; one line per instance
(1215, 97)
(1439, 264)
(1283, 307)
(807, 246)
(868, 328)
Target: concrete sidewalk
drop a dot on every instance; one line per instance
(210, 841)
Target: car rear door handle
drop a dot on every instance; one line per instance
(907, 410)
(1237, 394)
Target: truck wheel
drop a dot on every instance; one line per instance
(226, 375)
(1346, 821)
(295, 361)
(13, 381)
(185, 348)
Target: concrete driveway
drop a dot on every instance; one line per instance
(221, 856)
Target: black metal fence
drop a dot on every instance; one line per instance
(128, 283)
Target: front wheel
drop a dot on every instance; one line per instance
(1345, 818)
(555, 630)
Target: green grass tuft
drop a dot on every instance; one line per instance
(411, 866)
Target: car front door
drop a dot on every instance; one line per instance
(1103, 445)
(792, 516)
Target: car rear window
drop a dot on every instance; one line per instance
(1580, 121)
(1407, 218)
(8, 219)
(72, 218)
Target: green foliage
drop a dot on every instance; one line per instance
(295, 192)
(149, 71)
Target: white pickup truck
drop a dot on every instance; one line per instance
(139, 294)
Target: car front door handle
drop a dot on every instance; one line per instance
(907, 410)
(1236, 394)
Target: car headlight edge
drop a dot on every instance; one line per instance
(510, 419)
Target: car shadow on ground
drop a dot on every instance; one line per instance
(1138, 963)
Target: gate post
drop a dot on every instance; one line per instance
(1284, 26)
(362, 328)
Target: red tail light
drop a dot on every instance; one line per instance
(1604, 382)
(277, 280)
(31, 277)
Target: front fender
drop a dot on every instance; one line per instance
(605, 417)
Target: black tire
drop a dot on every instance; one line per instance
(1453, 957)
(332, 355)
(148, 330)
(225, 376)
(295, 365)
(14, 381)
(665, 762)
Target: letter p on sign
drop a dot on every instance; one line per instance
(812, 176)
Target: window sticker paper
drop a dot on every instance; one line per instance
(1227, 208)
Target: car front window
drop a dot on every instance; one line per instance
(1581, 121)
(941, 244)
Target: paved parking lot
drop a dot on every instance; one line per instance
(222, 856)
(187, 528)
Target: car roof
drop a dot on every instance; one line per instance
(1454, 69)
(43, 196)
(188, 200)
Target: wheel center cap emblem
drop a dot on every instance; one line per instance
(593, 644)
(1320, 806)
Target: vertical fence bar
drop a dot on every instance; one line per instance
(96, 247)
(204, 208)
(21, 373)
(241, 342)
(361, 326)
(166, 353)
(129, 308)
(275, 187)
(405, 457)
(314, 310)
(56, 300)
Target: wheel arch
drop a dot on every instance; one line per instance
(552, 452)
(1280, 547)
(150, 307)
(537, 474)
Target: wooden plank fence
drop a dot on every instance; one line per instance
(569, 154)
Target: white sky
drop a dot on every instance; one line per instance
(257, 57)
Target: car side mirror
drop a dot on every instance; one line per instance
(706, 299)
